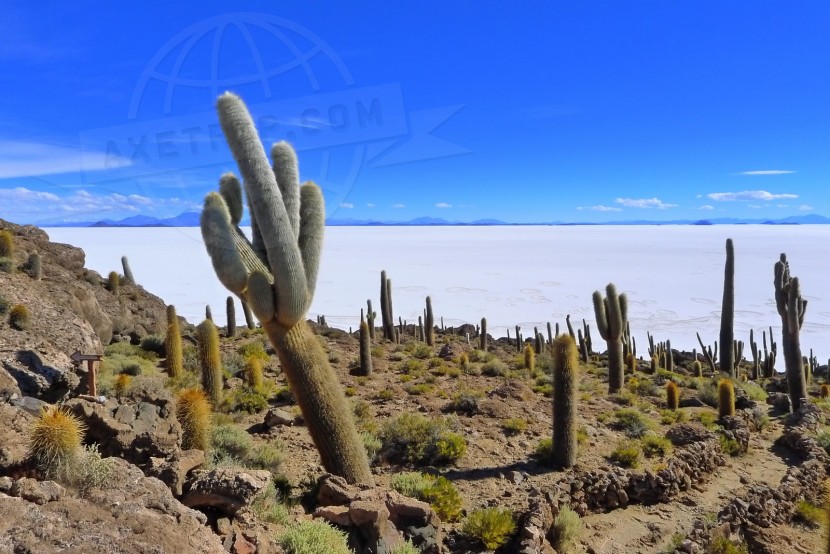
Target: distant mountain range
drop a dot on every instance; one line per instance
(191, 219)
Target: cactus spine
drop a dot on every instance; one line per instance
(672, 395)
(727, 315)
(791, 307)
(365, 350)
(482, 337)
(276, 274)
(210, 359)
(612, 313)
(430, 324)
(726, 398)
(173, 345)
(565, 367)
(230, 311)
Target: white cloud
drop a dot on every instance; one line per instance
(22, 203)
(21, 194)
(706, 207)
(347, 205)
(767, 172)
(748, 195)
(27, 159)
(755, 206)
(398, 206)
(644, 203)
(443, 205)
(370, 205)
(600, 208)
(805, 208)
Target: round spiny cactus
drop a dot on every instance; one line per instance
(19, 317)
(55, 440)
(672, 395)
(122, 383)
(193, 414)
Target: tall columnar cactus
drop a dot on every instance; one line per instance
(208, 313)
(791, 307)
(727, 314)
(128, 273)
(365, 368)
(612, 313)
(230, 310)
(429, 322)
(672, 395)
(249, 317)
(210, 360)
(726, 398)
(370, 319)
(669, 357)
(386, 314)
(540, 343)
(34, 266)
(276, 274)
(173, 344)
(193, 414)
(565, 368)
(530, 358)
(482, 337)
(583, 346)
(253, 372)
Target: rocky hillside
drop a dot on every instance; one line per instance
(70, 309)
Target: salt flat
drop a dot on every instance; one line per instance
(525, 275)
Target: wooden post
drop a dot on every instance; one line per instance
(91, 378)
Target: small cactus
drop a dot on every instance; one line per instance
(231, 313)
(211, 360)
(55, 440)
(565, 368)
(530, 358)
(630, 362)
(6, 244)
(464, 362)
(253, 372)
(429, 324)
(173, 345)
(655, 363)
(122, 384)
(697, 369)
(114, 282)
(672, 395)
(19, 317)
(824, 391)
(34, 267)
(482, 337)
(365, 368)
(193, 414)
(726, 398)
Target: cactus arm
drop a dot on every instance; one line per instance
(599, 314)
(312, 223)
(232, 195)
(288, 181)
(226, 253)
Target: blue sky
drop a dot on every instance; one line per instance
(569, 111)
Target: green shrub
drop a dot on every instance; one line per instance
(753, 390)
(230, 442)
(544, 451)
(416, 439)
(245, 399)
(494, 368)
(267, 456)
(465, 402)
(386, 394)
(514, 425)
(314, 537)
(253, 349)
(419, 389)
(268, 508)
(633, 423)
(656, 446)
(707, 419)
(90, 471)
(566, 530)
(233, 364)
(627, 454)
(411, 484)
(824, 439)
(809, 513)
(491, 526)
(708, 393)
(444, 498)
(730, 446)
(722, 545)
(19, 317)
(405, 548)
(421, 351)
(758, 419)
(670, 417)
(154, 344)
(371, 443)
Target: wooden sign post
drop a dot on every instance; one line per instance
(91, 379)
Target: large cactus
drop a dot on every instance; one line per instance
(276, 275)
(612, 313)
(565, 387)
(386, 313)
(791, 308)
(429, 323)
(173, 345)
(727, 315)
(210, 358)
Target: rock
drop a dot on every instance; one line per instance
(136, 428)
(132, 514)
(242, 546)
(688, 433)
(173, 471)
(14, 435)
(226, 489)
(39, 492)
(780, 401)
(691, 402)
(276, 416)
(338, 515)
(450, 351)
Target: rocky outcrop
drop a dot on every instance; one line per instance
(378, 519)
(131, 514)
(227, 489)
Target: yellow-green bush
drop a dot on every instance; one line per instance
(313, 537)
(416, 439)
(491, 526)
(567, 527)
(627, 454)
